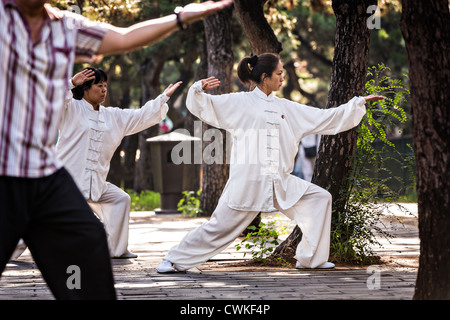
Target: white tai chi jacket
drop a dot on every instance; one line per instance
(275, 125)
(89, 138)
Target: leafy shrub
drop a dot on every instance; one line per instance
(189, 205)
(146, 200)
(260, 241)
(356, 228)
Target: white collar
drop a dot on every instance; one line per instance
(262, 95)
(90, 107)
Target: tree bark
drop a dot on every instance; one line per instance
(150, 72)
(190, 120)
(425, 27)
(220, 65)
(256, 28)
(347, 80)
(121, 99)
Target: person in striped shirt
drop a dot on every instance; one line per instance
(39, 201)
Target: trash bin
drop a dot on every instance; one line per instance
(170, 177)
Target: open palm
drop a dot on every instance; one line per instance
(83, 76)
(210, 83)
(171, 88)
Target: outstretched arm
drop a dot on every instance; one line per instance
(119, 40)
(310, 120)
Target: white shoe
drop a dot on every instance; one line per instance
(127, 255)
(165, 266)
(326, 265)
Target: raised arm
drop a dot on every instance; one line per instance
(152, 113)
(83, 76)
(219, 111)
(119, 40)
(77, 80)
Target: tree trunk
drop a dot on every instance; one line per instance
(256, 28)
(150, 72)
(425, 27)
(190, 120)
(347, 80)
(186, 70)
(121, 99)
(220, 65)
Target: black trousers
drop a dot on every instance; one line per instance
(67, 241)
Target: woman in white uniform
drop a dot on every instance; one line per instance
(273, 128)
(89, 135)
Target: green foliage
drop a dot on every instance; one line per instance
(382, 116)
(370, 192)
(189, 205)
(146, 200)
(260, 241)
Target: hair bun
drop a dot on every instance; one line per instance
(253, 60)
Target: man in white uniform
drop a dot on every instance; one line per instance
(89, 135)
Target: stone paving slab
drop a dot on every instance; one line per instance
(151, 235)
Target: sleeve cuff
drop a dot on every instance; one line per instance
(71, 85)
(361, 101)
(164, 98)
(198, 86)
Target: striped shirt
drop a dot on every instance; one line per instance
(33, 84)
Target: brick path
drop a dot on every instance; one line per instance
(152, 235)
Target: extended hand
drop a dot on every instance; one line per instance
(373, 98)
(82, 77)
(210, 83)
(171, 88)
(196, 11)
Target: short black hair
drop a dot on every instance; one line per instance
(100, 75)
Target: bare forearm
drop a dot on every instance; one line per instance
(119, 40)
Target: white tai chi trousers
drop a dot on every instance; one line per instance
(113, 210)
(312, 213)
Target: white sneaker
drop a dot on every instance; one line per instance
(326, 265)
(165, 266)
(127, 255)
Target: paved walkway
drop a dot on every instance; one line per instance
(151, 235)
